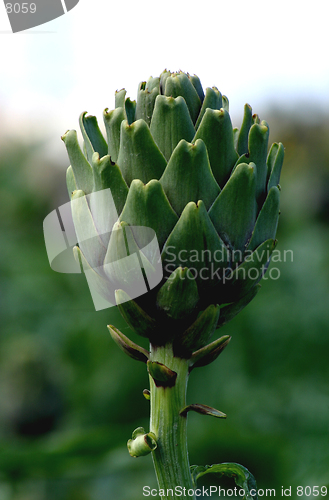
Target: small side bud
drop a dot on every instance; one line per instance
(147, 394)
(209, 353)
(128, 346)
(161, 374)
(141, 443)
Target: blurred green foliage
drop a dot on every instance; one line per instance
(69, 399)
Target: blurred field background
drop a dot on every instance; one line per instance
(69, 399)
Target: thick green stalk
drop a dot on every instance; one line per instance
(170, 458)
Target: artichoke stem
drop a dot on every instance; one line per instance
(170, 458)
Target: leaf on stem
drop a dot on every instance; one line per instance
(203, 409)
(128, 346)
(242, 477)
(209, 353)
(161, 374)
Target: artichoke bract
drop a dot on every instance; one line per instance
(176, 213)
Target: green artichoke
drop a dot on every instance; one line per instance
(173, 167)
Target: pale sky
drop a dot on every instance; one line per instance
(261, 52)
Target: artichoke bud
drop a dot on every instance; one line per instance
(179, 295)
(184, 222)
(141, 443)
(128, 346)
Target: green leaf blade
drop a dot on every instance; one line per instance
(242, 477)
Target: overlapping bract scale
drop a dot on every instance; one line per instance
(174, 164)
